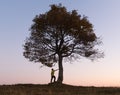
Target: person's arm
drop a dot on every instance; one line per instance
(56, 69)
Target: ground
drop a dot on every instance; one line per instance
(56, 89)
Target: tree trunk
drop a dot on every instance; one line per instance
(60, 66)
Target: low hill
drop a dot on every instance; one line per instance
(56, 89)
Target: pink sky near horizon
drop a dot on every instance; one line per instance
(15, 20)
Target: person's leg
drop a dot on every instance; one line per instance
(54, 78)
(51, 79)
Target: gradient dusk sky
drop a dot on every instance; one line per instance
(15, 20)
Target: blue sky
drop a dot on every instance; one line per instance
(15, 20)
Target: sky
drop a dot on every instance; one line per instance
(15, 20)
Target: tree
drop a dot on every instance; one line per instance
(59, 34)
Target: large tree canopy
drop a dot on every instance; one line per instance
(59, 34)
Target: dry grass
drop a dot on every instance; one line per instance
(55, 89)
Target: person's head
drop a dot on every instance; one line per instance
(52, 69)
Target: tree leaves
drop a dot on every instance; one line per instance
(61, 33)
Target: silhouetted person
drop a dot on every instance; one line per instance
(52, 75)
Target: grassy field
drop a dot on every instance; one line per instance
(54, 89)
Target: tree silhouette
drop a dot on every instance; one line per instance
(59, 34)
